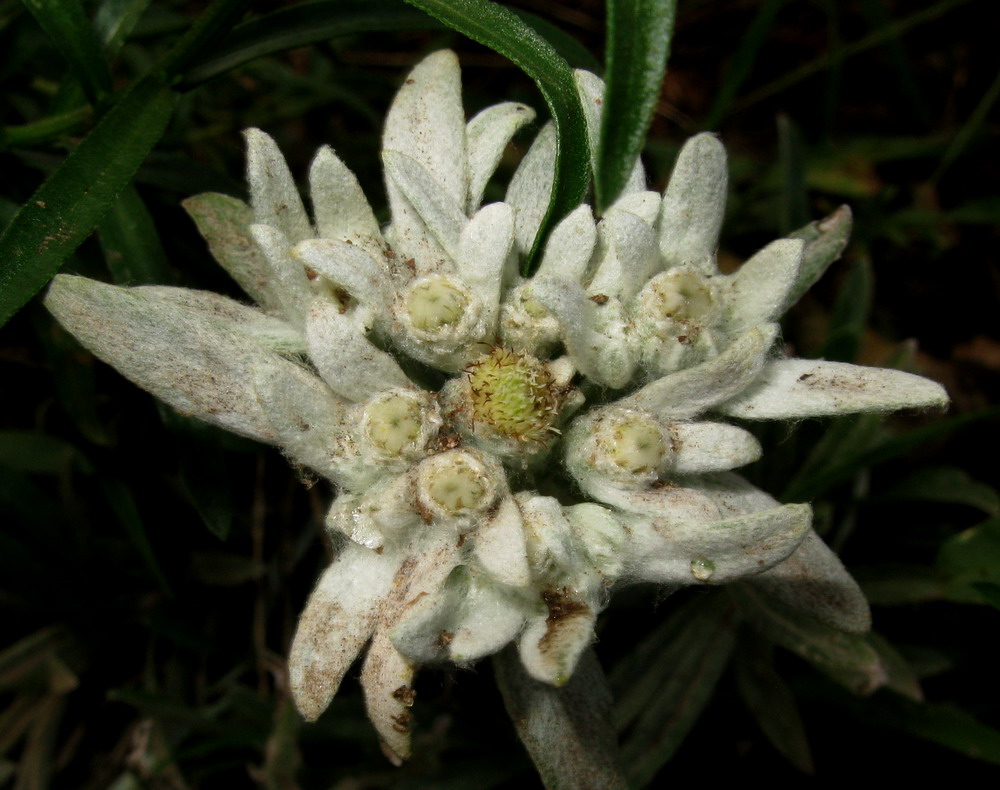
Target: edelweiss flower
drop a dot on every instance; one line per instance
(414, 368)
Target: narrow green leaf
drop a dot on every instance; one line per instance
(567, 731)
(73, 36)
(851, 310)
(970, 128)
(948, 484)
(969, 558)
(792, 166)
(638, 42)
(694, 661)
(846, 658)
(771, 702)
(989, 592)
(210, 28)
(300, 25)
(497, 28)
(943, 724)
(123, 504)
(34, 451)
(743, 61)
(878, 451)
(838, 55)
(115, 20)
(899, 585)
(131, 246)
(73, 375)
(901, 677)
(67, 207)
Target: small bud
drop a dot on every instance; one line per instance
(399, 422)
(434, 303)
(455, 484)
(679, 297)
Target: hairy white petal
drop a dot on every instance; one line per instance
(426, 122)
(694, 204)
(687, 393)
(224, 222)
(287, 275)
(531, 186)
(310, 421)
(552, 642)
(387, 675)
(198, 360)
(759, 289)
(500, 546)
(487, 135)
(814, 581)
(629, 258)
(350, 267)
(345, 358)
(491, 615)
(595, 340)
(387, 681)
(711, 447)
(337, 621)
(483, 251)
(340, 207)
(438, 210)
(273, 194)
(671, 550)
(570, 245)
(790, 388)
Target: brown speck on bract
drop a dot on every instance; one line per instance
(405, 695)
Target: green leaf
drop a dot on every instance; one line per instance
(878, 449)
(901, 677)
(970, 558)
(567, 731)
(73, 36)
(677, 688)
(846, 658)
(897, 585)
(638, 41)
(791, 164)
(34, 451)
(115, 20)
(742, 63)
(123, 504)
(131, 245)
(300, 25)
(67, 207)
(942, 724)
(499, 29)
(849, 317)
(204, 35)
(771, 702)
(947, 484)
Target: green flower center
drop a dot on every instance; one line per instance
(393, 421)
(514, 394)
(680, 295)
(434, 303)
(637, 445)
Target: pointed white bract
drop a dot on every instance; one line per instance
(444, 553)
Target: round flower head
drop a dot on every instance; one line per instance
(454, 529)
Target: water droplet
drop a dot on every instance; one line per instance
(702, 569)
